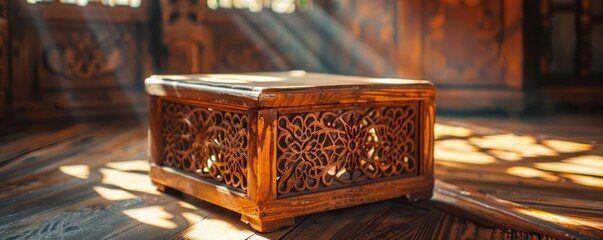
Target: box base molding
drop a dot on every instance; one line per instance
(277, 213)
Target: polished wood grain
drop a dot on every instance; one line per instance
(328, 141)
(91, 181)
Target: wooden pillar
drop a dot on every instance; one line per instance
(187, 39)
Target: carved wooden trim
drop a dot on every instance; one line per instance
(324, 149)
(210, 143)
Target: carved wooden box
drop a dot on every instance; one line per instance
(273, 146)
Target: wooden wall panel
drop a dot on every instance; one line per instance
(409, 18)
(472, 49)
(73, 62)
(473, 43)
(86, 61)
(452, 42)
(370, 39)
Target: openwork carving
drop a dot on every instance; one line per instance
(207, 142)
(86, 56)
(324, 149)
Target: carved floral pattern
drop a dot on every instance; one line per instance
(324, 149)
(207, 142)
(85, 56)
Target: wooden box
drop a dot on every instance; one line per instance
(273, 146)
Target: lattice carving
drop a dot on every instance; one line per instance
(324, 149)
(86, 56)
(207, 142)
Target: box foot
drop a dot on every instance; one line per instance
(165, 189)
(268, 226)
(418, 196)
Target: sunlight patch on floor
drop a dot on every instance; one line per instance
(128, 180)
(187, 205)
(528, 172)
(217, 227)
(506, 155)
(442, 130)
(458, 150)
(153, 215)
(550, 217)
(113, 194)
(595, 161)
(78, 171)
(192, 218)
(570, 168)
(133, 165)
(566, 146)
(547, 216)
(524, 145)
(584, 180)
(463, 157)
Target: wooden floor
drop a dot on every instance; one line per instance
(497, 179)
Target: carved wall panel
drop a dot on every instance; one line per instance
(324, 149)
(473, 42)
(75, 61)
(105, 56)
(207, 142)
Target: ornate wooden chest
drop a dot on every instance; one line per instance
(273, 146)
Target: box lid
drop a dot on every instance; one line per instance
(283, 89)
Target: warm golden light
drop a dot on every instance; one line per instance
(456, 145)
(394, 81)
(505, 155)
(527, 172)
(242, 77)
(134, 165)
(547, 216)
(153, 215)
(447, 130)
(526, 146)
(587, 160)
(187, 205)
(216, 227)
(128, 180)
(192, 218)
(564, 220)
(458, 150)
(78, 171)
(297, 73)
(585, 180)
(566, 146)
(113, 194)
(463, 157)
(570, 168)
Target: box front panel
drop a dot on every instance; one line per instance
(208, 142)
(322, 149)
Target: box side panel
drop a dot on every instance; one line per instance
(204, 141)
(330, 147)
